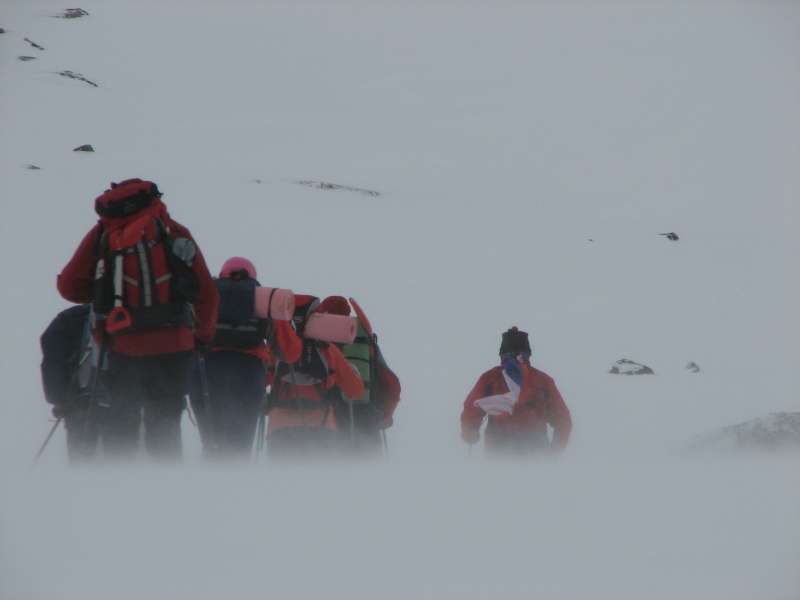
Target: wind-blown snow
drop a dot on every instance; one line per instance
(528, 155)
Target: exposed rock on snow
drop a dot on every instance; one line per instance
(671, 236)
(778, 431)
(321, 185)
(77, 76)
(628, 367)
(692, 366)
(84, 148)
(72, 13)
(26, 58)
(34, 44)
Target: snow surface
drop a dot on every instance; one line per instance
(528, 156)
(777, 432)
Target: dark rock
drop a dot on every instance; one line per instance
(34, 44)
(692, 366)
(77, 76)
(321, 185)
(671, 236)
(32, 167)
(84, 148)
(72, 13)
(26, 58)
(628, 367)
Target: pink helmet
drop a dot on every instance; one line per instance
(235, 264)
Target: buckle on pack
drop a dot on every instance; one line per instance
(119, 318)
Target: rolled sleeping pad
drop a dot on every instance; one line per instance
(274, 303)
(331, 328)
(358, 355)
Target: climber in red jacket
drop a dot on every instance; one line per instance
(520, 401)
(302, 423)
(153, 300)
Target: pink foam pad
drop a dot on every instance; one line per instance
(331, 328)
(274, 303)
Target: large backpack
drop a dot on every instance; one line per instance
(237, 324)
(68, 356)
(362, 354)
(302, 384)
(144, 277)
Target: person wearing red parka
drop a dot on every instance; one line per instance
(148, 349)
(520, 402)
(302, 423)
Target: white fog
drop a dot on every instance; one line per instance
(527, 156)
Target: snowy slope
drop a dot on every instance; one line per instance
(527, 156)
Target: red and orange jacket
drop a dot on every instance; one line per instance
(75, 283)
(388, 394)
(317, 412)
(539, 404)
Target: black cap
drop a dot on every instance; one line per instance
(515, 340)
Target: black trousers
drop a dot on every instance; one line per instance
(143, 389)
(362, 436)
(235, 396)
(82, 434)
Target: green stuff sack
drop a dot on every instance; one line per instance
(360, 355)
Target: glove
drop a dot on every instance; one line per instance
(60, 411)
(471, 435)
(514, 371)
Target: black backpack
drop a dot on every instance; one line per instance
(237, 324)
(67, 349)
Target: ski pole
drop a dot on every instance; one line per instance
(352, 426)
(385, 444)
(46, 440)
(201, 361)
(93, 396)
(262, 417)
(297, 396)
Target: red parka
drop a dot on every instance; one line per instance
(76, 281)
(540, 404)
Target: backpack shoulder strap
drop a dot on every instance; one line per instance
(101, 242)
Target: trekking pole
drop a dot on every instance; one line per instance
(473, 443)
(201, 361)
(297, 396)
(262, 417)
(101, 358)
(46, 440)
(385, 444)
(352, 425)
